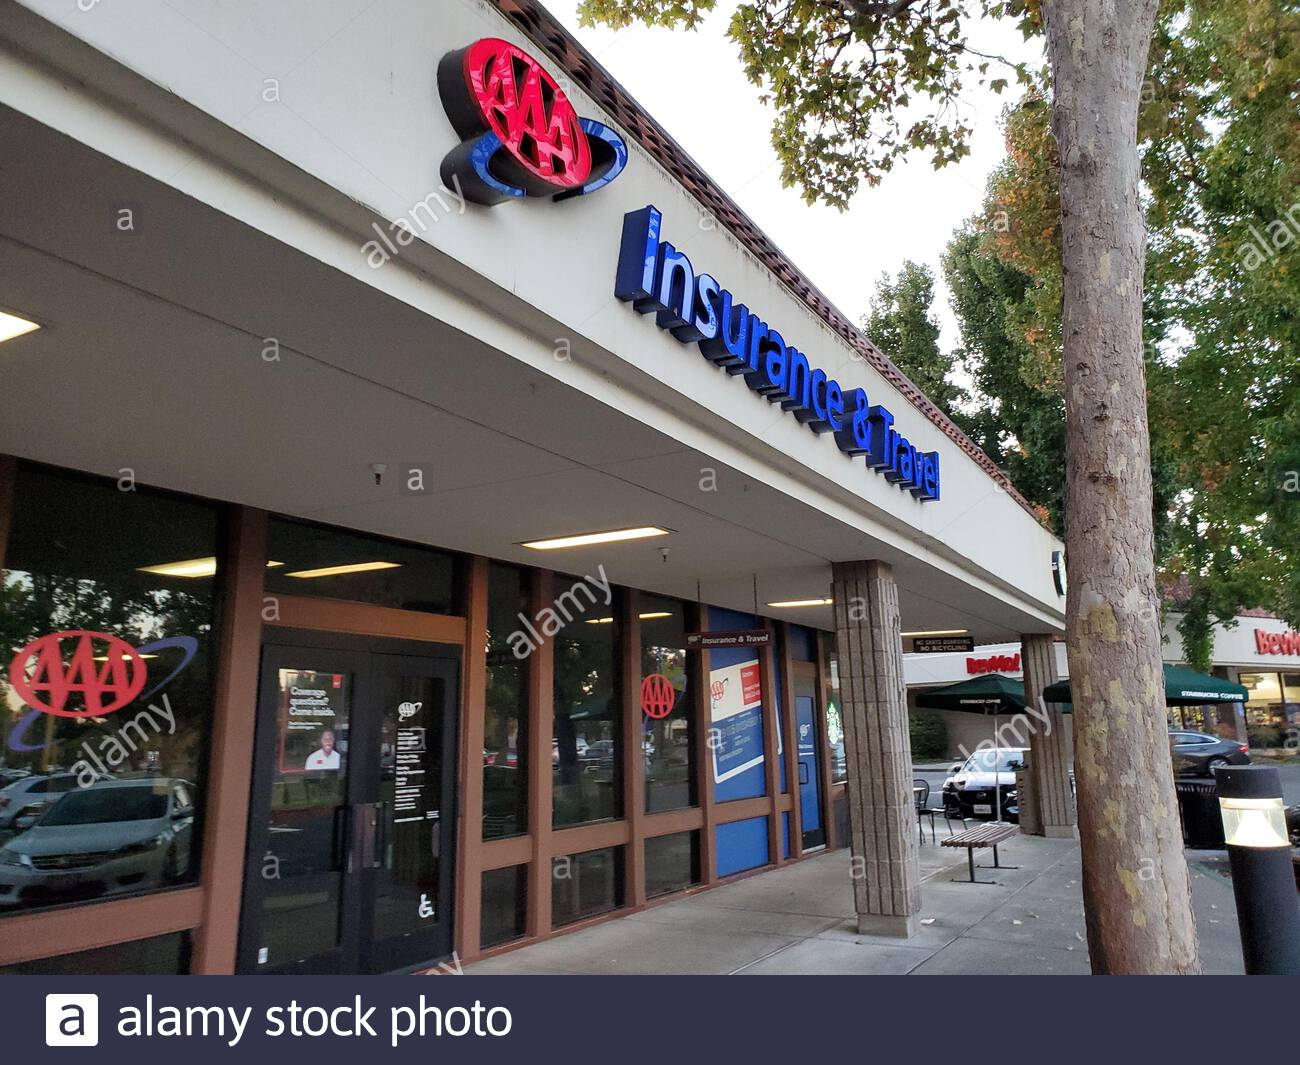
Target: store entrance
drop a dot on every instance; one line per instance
(351, 822)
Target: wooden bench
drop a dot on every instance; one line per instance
(984, 836)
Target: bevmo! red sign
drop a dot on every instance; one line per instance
(1277, 643)
(994, 664)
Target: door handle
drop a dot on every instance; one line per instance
(365, 825)
(803, 772)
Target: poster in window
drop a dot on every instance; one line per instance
(313, 721)
(736, 713)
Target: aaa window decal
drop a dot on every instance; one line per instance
(77, 673)
(520, 134)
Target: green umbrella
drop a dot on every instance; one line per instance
(990, 694)
(1183, 687)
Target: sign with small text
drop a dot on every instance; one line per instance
(739, 638)
(930, 645)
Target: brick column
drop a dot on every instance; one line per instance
(1051, 747)
(878, 749)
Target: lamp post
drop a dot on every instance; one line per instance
(1263, 881)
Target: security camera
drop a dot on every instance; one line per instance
(379, 469)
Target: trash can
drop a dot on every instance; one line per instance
(1198, 806)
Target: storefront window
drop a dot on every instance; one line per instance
(667, 706)
(505, 734)
(1266, 712)
(315, 560)
(167, 955)
(672, 863)
(505, 905)
(1291, 705)
(587, 884)
(834, 714)
(106, 619)
(586, 746)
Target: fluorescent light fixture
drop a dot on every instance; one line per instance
(643, 617)
(104, 658)
(191, 567)
(338, 571)
(587, 539)
(937, 632)
(12, 326)
(801, 602)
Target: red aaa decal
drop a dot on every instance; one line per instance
(522, 104)
(77, 673)
(657, 696)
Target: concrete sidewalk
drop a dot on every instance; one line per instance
(798, 920)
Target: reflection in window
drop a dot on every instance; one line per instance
(107, 606)
(667, 710)
(587, 884)
(505, 733)
(672, 863)
(834, 713)
(316, 560)
(505, 905)
(586, 744)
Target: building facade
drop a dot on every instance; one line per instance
(426, 528)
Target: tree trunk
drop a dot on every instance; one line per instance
(1136, 887)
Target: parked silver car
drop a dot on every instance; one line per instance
(32, 795)
(113, 837)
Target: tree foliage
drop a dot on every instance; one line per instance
(855, 84)
(901, 324)
(1220, 161)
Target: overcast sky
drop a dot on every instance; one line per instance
(910, 215)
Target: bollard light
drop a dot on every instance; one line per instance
(1263, 879)
(1254, 822)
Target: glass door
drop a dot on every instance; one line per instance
(300, 877)
(410, 870)
(351, 822)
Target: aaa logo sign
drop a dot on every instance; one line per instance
(78, 673)
(521, 135)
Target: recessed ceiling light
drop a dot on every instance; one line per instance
(191, 567)
(938, 632)
(801, 602)
(13, 326)
(336, 571)
(587, 539)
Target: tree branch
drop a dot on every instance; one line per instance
(877, 8)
